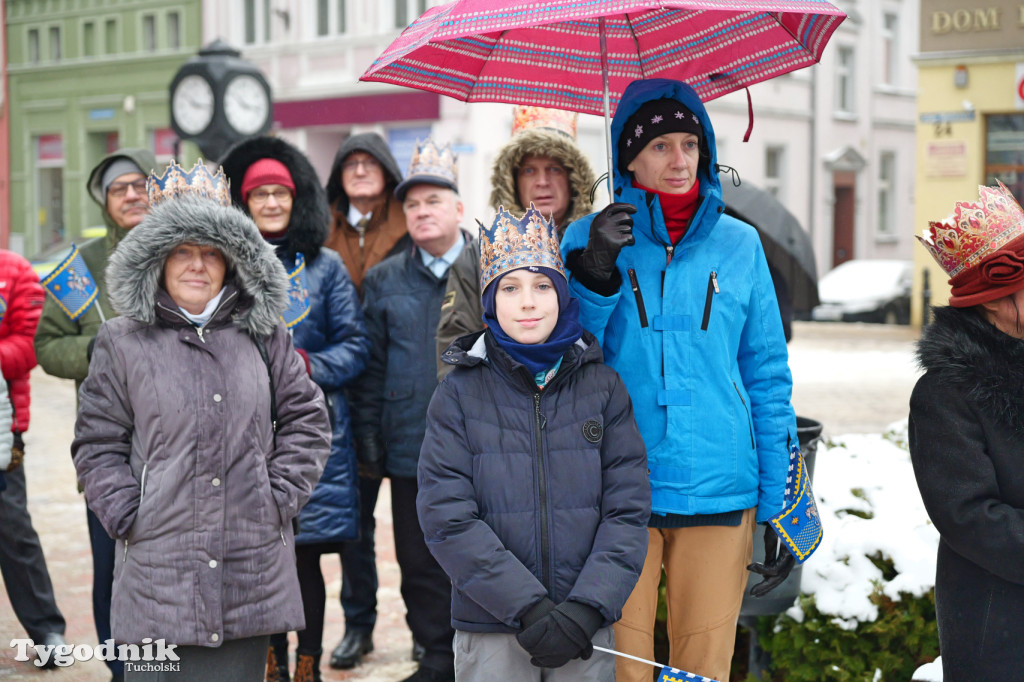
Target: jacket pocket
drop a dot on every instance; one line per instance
(708, 300)
(640, 307)
(746, 412)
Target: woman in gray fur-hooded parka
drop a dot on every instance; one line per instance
(174, 443)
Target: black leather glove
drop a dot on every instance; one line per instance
(610, 230)
(562, 635)
(370, 453)
(776, 567)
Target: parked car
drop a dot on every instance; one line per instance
(866, 291)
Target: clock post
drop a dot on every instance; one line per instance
(218, 98)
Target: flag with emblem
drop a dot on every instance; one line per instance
(675, 675)
(72, 285)
(798, 524)
(298, 294)
(3, 308)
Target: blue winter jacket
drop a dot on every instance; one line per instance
(526, 493)
(696, 335)
(334, 338)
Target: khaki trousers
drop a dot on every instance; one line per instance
(705, 575)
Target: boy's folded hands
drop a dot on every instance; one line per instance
(561, 634)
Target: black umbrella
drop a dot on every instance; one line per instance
(786, 245)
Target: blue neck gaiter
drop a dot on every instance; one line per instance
(538, 357)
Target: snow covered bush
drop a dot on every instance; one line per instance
(867, 609)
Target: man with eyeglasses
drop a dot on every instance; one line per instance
(368, 225)
(64, 346)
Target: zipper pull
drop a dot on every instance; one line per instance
(669, 250)
(199, 331)
(714, 281)
(125, 557)
(282, 538)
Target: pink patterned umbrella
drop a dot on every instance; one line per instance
(580, 55)
(548, 52)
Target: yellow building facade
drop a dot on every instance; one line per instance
(970, 128)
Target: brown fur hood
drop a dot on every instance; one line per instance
(542, 143)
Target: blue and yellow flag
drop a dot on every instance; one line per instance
(675, 675)
(72, 285)
(298, 294)
(798, 524)
(3, 308)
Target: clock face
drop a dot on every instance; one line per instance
(246, 104)
(192, 104)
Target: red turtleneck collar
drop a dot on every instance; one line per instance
(677, 209)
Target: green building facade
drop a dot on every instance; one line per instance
(86, 77)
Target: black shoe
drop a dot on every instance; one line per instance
(417, 651)
(430, 675)
(350, 651)
(51, 639)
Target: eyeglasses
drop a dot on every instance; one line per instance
(119, 189)
(260, 196)
(367, 164)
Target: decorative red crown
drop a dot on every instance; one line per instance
(974, 230)
(558, 120)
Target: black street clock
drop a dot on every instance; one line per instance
(218, 98)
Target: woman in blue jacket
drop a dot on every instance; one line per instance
(680, 297)
(275, 184)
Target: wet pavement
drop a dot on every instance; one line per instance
(854, 378)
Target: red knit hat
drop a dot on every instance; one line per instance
(981, 247)
(266, 172)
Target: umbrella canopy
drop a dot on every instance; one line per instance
(787, 246)
(549, 52)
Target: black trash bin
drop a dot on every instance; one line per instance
(782, 597)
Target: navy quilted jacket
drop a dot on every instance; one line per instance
(526, 493)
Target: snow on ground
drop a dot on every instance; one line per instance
(867, 473)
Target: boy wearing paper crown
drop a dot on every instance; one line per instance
(967, 435)
(533, 492)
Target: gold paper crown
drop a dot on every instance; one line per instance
(530, 118)
(511, 243)
(199, 181)
(974, 230)
(430, 160)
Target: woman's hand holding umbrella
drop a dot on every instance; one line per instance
(610, 230)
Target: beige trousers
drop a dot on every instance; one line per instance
(706, 574)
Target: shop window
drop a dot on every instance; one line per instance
(1004, 151)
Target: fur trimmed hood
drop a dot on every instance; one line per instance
(135, 271)
(542, 143)
(311, 218)
(970, 352)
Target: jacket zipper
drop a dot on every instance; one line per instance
(542, 485)
(641, 309)
(199, 330)
(712, 290)
(750, 426)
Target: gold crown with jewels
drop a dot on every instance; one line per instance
(175, 182)
(511, 243)
(974, 230)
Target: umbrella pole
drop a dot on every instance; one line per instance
(607, 106)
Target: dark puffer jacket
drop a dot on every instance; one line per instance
(174, 444)
(525, 493)
(402, 303)
(332, 335)
(966, 443)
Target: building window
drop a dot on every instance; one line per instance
(844, 80)
(149, 33)
(110, 36)
(408, 10)
(774, 169)
(330, 17)
(173, 30)
(256, 19)
(886, 225)
(54, 43)
(89, 39)
(33, 45)
(890, 48)
(1004, 151)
